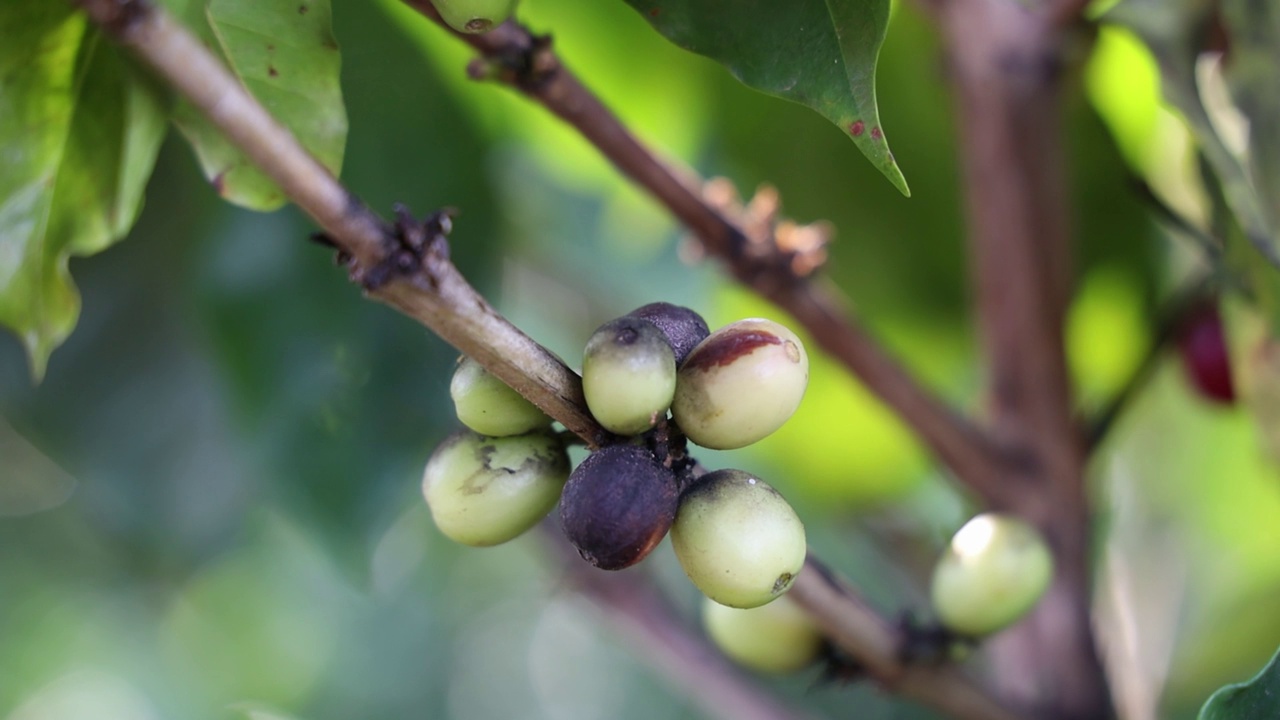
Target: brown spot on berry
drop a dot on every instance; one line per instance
(729, 348)
(655, 12)
(856, 128)
(271, 71)
(876, 134)
(303, 9)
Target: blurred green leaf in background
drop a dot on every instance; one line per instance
(210, 506)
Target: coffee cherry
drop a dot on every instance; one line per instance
(683, 328)
(737, 539)
(485, 491)
(628, 375)
(618, 505)
(994, 571)
(774, 638)
(475, 16)
(1204, 355)
(489, 406)
(740, 384)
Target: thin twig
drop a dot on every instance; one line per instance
(438, 297)
(877, 645)
(820, 308)
(435, 294)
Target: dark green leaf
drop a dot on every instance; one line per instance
(1257, 699)
(79, 132)
(820, 53)
(285, 53)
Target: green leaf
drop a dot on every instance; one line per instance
(1176, 31)
(1254, 30)
(1257, 699)
(285, 53)
(820, 53)
(79, 133)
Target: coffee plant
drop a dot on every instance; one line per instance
(1008, 449)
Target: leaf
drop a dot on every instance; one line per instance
(79, 133)
(819, 53)
(285, 53)
(1257, 699)
(1176, 32)
(1254, 55)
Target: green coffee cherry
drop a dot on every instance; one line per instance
(682, 327)
(737, 539)
(489, 406)
(485, 491)
(475, 16)
(774, 638)
(740, 384)
(994, 571)
(628, 375)
(618, 505)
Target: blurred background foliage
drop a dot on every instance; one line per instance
(210, 508)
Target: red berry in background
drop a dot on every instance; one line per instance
(1204, 355)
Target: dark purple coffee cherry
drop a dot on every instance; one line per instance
(618, 505)
(683, 327)
(1204, 355)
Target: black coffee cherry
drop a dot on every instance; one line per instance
(683, 328)
(618, 505)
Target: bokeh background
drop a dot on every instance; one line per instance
(210, 506)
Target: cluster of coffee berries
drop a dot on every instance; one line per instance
(994, 571)
(655, 378)
(658, 376)
(474, 16)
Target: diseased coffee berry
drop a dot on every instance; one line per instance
(475, 16)
(489, 406)
(485, 491)
(994, 571)
(683, 328)
(628, 375)
(737, 539)
(1203, 348)
(740, 384)
(618, 505)
(774, 638)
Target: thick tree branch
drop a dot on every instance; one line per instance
(535, 70)
(415, 276)
(1006, 67)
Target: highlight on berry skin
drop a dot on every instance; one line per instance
(993, 572)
